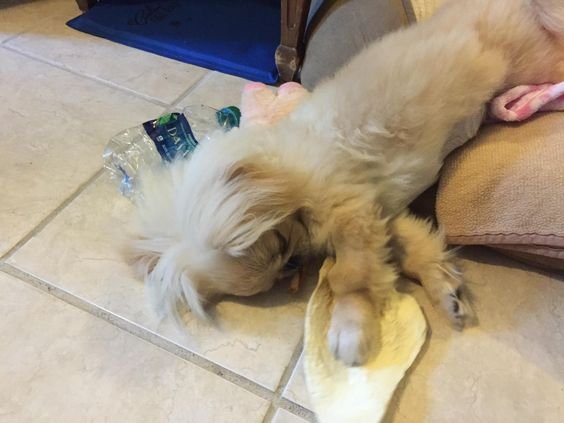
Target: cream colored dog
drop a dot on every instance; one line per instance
(336, 176)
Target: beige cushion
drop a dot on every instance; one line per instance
(505, 189)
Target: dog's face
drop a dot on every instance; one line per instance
(276, 255)
(228, 221)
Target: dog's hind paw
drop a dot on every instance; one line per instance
(457, 312)
(457, 309)
(445, 287)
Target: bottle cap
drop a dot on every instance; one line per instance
(229, 117)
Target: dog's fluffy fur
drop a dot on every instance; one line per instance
(335, 177)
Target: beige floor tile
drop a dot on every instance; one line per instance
(55, 127)
(283, 416)
(148, 74)
(296, 390)
(508, 369)
(216, 90)
(79, 251)
(17, 16)
(58, 363)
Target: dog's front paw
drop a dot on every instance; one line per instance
(351, 338)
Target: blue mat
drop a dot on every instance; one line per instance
(232, 36)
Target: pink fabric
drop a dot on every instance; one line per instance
(523, 101)
(262, 105)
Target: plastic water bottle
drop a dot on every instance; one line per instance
(170, 136)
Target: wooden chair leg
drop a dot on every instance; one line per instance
(84, 5)
(289, 54)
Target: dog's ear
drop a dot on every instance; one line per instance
(258, 196)
(161, 264)
(157, 249)
(142, 254)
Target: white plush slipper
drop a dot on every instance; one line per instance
(341, 394)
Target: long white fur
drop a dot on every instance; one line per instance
(357, 152)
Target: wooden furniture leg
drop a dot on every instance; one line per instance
(84, 5)
(289, 54)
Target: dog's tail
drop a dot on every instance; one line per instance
(550, 14)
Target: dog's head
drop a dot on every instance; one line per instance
(226, 221)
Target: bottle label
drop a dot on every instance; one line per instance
(172, 135)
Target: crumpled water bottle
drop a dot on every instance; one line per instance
(170, 136)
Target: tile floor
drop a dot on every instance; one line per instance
(77, 339)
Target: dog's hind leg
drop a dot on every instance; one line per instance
(421, 252)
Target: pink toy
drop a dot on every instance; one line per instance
(523, 101)
(260, 105)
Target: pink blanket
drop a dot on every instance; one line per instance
(523, 101)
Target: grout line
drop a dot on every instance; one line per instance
(270, 413)
(278, 401)
(297, 409)
(11, 37)
(191, 88)
(139, 332)
(47, 219)
(101, 81)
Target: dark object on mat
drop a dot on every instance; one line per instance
(234, 37)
